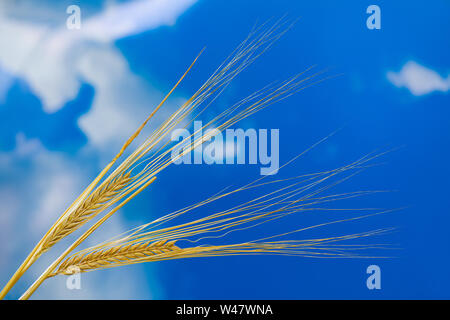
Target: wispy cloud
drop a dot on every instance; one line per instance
(418, 79)
(36, 186)
(54, 62)
(130, 18)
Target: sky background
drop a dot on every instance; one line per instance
(70, 98)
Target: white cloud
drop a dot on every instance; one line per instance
(122, 100)
(36, 186)
(419, 79)
(54, 61)
(40, 183)
(119, 21)
(9, 210)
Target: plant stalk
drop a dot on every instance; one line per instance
(83, 237)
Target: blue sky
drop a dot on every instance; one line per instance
(68, 99)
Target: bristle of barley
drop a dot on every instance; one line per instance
(87, 209)
(102, 258)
